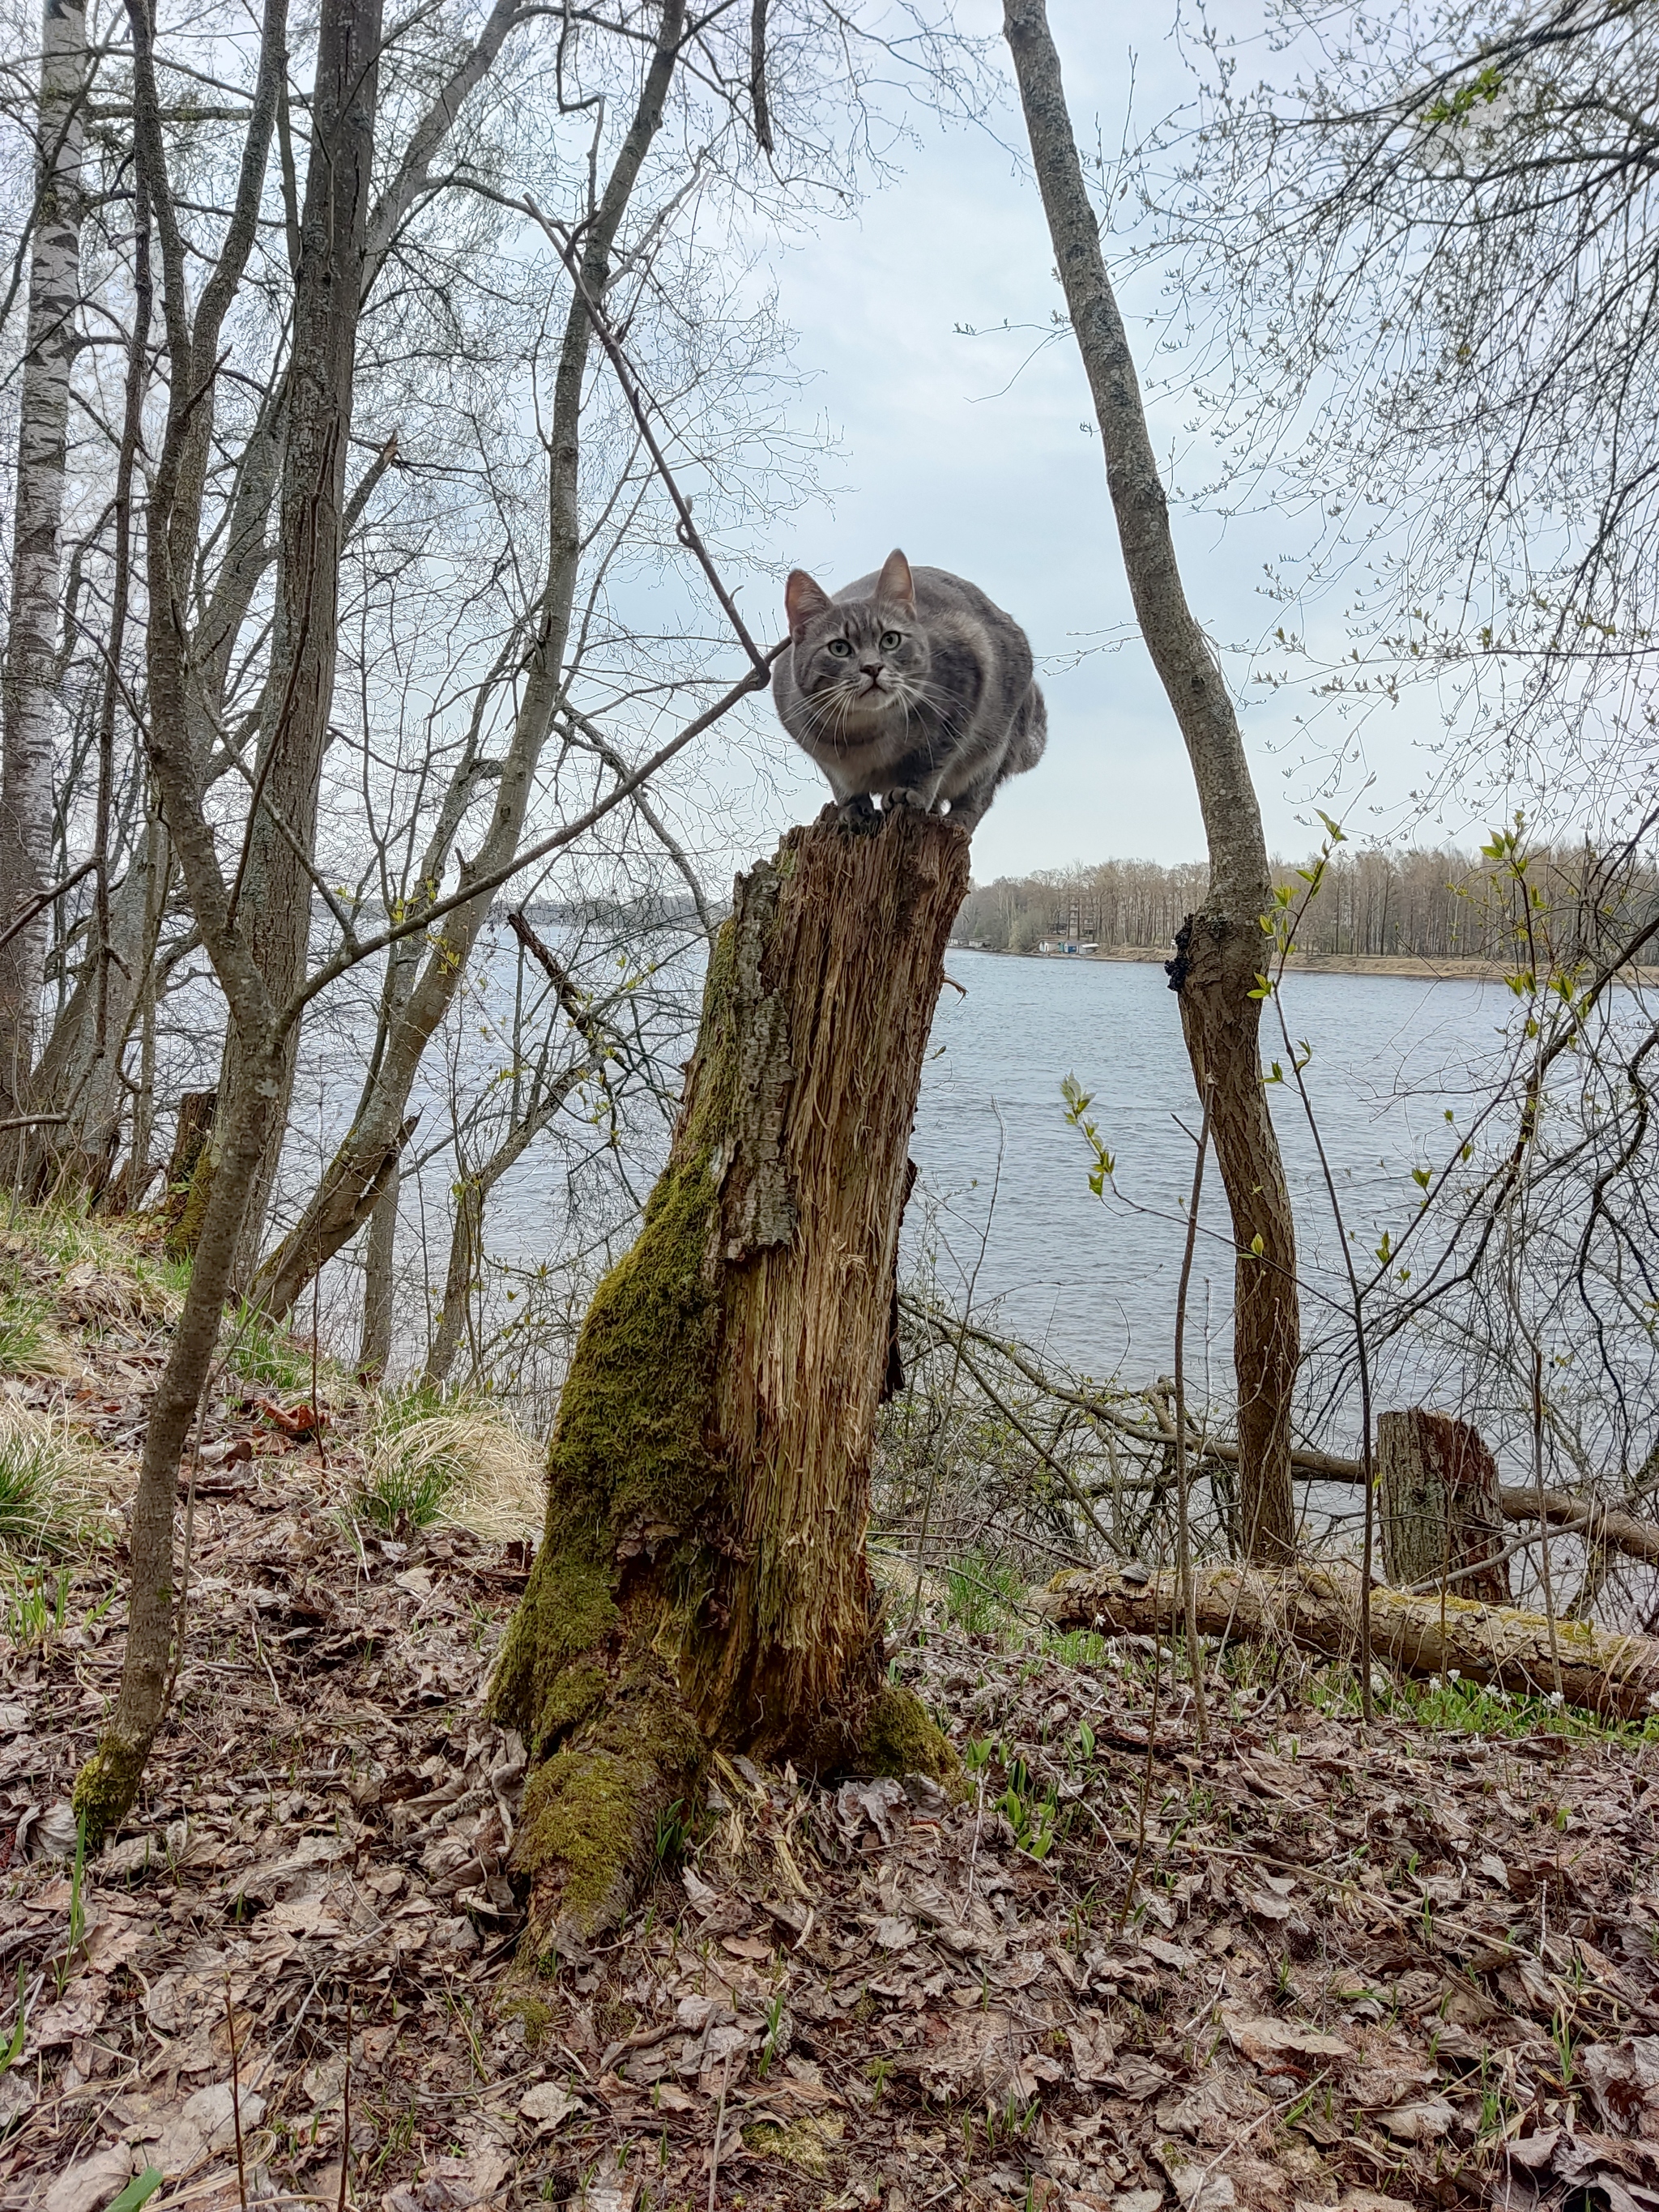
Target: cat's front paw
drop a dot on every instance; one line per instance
(905, 798)
(858, 812)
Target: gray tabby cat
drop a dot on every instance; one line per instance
(909, 686)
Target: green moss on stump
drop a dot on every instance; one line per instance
(587, 1835)
(184, 1234)
(901, 1738)
(107, 1787)
(629, 1439)
(626, 1455)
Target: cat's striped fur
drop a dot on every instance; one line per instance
(909, 686)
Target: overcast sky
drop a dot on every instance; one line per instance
(971, 462)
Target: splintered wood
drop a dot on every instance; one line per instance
(847, 952)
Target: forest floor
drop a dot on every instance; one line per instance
(1297, 1965)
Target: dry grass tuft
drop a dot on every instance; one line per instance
(56, 1489)
(462, 1465)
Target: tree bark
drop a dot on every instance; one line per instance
(374, 1352)
(198, 1111)
(1318, 1609)
(1441, 1506)
(274, 886)
(334, 1212)
(460, 1278)
(108, 1783)
(703, 1581)
(29, 680)
(1219, 950)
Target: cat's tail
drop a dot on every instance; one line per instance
(1031, 733)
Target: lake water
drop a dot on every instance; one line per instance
(1004, 1196)
(1003, 1216)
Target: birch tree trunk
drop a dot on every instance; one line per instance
(1218, 949)
(704, 1580)
(27, 682)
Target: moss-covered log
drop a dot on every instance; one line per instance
(1317, 1609)
(704, 1580)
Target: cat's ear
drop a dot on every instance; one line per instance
(802, 599)
(894, 587)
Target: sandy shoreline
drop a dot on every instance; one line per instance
(1414, 965)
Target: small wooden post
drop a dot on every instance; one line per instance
(1440, 1511)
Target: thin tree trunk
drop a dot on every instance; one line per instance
(703, 1579)
(29, 679)
(108, 1783)
(139, 1167)
(374, 1352)
(1218, 949)
(1318, 1609)
(273, 897)
(465, 1242)
(466, 1234)
(335, 1212)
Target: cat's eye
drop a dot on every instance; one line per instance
(840, 648)
(890, 640)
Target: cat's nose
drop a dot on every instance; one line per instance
(874, 667)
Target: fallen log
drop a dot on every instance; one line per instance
(1316, 1608)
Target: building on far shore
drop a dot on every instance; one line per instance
(1064, 945)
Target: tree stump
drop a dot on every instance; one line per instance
(1441, 1509)
(197, 1111)
(703, 1583)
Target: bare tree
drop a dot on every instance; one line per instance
(349, 1186)
(273, 885)
(1419, 250)
(1218, 947)
(261, 1021)
(28, 682)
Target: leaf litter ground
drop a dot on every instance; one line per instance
(1410, 1970)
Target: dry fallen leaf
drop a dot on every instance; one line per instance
(1262, 2041)
(89, 2184)
(1423, 2121)
(549, 2104)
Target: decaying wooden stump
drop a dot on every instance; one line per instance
(1441, 1506)
(198, 1111)
(1317, 1609)
(703, 1581)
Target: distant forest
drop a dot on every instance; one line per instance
(1444, 905)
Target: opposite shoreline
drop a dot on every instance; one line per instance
(1417, 966)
